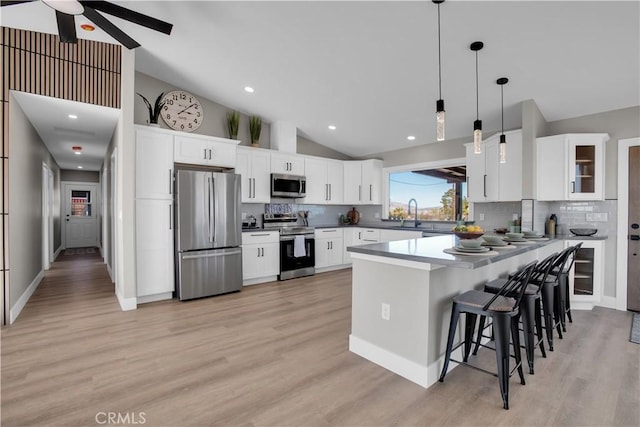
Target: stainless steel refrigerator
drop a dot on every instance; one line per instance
(208, 233)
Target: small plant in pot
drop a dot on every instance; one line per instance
(255, 126)
(233, 123)
(154, 110)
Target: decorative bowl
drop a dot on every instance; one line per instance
(470, 243)
(492, 239)
(467, 234)
(583, 231)
(531, 233)
(515, 236)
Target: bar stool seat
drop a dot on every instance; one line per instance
(502, 308)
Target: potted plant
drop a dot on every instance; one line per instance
(255, 126)
(154, 111)
(233, 122)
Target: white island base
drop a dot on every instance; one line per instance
(414, 295)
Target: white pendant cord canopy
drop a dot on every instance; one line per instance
(440, 102)
(477, 124)
(503, 139)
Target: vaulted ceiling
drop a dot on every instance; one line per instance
(370, 67)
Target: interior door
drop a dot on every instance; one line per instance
(633, 250)
(81, 220)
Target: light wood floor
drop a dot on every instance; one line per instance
(276, 355)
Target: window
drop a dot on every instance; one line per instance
(80, 203)
(440, 193)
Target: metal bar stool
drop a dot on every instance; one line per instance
(505, 315)
(563, 292)
(530, 310)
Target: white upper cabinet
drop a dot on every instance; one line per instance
(286, 163)
(325, 179)
(154, 165)
(254, 165)
(207, 151)
(363, 182)
(488, 180)
(570, 167)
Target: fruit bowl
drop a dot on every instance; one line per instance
(468, 234)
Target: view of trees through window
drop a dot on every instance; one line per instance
(440, 194)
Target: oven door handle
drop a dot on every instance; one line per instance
(288, 238)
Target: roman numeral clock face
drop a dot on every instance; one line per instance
(182, 111)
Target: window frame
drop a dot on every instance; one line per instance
(458, 161)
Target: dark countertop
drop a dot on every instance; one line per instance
(574, 237)
(430, 250)
(388, 227)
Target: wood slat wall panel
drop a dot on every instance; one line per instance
(38, 63)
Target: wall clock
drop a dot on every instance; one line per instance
(182, 111)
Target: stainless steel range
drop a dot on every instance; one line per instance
(297, 246)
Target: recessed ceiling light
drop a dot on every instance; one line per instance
(72, 116)
(87, 27)
(79, 167)
(248, 89)
(332, 127)
(411, 137)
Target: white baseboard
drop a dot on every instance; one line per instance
(333, 268)
(127, 304)
(250, 282)
(24, 298)
(110, 273)
(56, 253)
(575, 305)
(155, 297)
(608, 302)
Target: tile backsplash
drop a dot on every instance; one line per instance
(593, 214)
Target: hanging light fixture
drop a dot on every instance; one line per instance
(503, 139)
(440, 101)
(477, 124)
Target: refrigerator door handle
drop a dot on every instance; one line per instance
(212, 214)
(211, 255)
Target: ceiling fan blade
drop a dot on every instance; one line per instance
(130, 15)
(109, 28)
(66, 27)
(12, 2)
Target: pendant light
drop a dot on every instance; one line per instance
(440, 101)
(503, 139)
(477, 124)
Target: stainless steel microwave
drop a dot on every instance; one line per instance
(292, 186)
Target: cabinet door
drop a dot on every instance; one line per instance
(587, 275)
(154, 247)
(317, 187)
(270, 263)
(243, 168)
(154, 165)
(551, 169)
(353, 182)
(287, 164)
(261, 174)
(205, 151)
(510, 185)
(371, 182)
(336, 249)
(335, 181)
(351, 238)
(475, 175)
(322, 252)
(491, 172)
(586, 168)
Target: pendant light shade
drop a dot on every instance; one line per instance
(503, 139)
(477, 124)
(440, 101)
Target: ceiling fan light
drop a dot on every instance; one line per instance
(70, 7)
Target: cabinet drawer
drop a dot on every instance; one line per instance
(253, 237)
(329, 233)
(371, 235)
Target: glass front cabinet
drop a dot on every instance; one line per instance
(586, 278)
(577, 161)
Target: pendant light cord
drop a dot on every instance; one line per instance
(477, 91)
(439, 58)
(502, 105)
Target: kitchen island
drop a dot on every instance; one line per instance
(402, 294)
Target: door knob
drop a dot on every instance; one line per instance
(635, 226)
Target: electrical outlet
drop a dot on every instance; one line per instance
(386, 311)
(377, 215)
(481, 217)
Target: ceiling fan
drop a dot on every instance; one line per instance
(67, 9)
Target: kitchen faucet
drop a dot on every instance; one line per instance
(416, 222)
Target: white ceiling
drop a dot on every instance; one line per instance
(91, 130)
(370, 67)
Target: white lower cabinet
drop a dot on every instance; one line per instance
(586, 278)
(329, 247)
(260, 256)
(154, 250)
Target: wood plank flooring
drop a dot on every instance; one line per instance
(276, 354)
